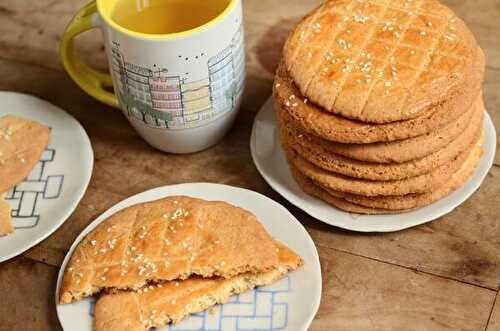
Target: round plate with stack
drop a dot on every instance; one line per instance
(379, 111)
(276, 307)
(271, 162)
(44, 200)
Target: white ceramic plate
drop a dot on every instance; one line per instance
(47, 197)
(289, 304)
(271, 163)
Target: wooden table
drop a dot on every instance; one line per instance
(441, 276)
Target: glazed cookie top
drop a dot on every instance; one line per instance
(379, 61)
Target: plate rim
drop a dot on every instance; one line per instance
(136, 197)
(490, 134)
(70, 208)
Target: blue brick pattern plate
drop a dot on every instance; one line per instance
(47, 197)
(289, 304)
(270, 160)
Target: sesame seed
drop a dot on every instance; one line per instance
(173, 302)
(93, 242)
(177, 284)
(103, 278)
(217, 242)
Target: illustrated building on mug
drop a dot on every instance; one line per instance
(161, 100)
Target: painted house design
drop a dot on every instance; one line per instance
(162, 100)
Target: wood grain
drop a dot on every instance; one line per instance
(494, 323)
(363, 294)
(27, 296)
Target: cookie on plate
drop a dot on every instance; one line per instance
(324, 159)
(5, 218)
(381, 61)
(158, 305)
(168, 239)
(398, 151)
(293, 107)
(22, 143)
(391, 204)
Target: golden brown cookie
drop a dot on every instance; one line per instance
(22, 143)
(323, 159)
(380, 61)
(5, 219)
(167, 239)
(412, 201)
(399, 151)
(391, 204)
(292, 107)
(418, 184)
(156, 306)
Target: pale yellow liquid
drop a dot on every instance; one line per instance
(165, 16)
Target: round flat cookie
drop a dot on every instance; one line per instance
(392, 204)
(22, 143)
(412, 201)
(419, 184)
(309, 187)
(292, 107)
(380, 61)
(399, 151)
(322, 158)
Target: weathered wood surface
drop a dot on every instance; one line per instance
(494, 323)
(370, 281)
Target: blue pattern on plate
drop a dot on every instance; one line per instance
(25, 197)
(261, 309)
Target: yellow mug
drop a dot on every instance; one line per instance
(180, 91)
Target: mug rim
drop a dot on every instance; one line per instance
(168, 36)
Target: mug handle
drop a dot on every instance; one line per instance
(90, 80)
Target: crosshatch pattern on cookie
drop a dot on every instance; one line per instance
(375, 50)
(165, 240)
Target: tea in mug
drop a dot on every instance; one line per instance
(166, 16)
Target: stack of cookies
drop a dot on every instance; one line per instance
(157, 262)
(380, 105)
(22, 143)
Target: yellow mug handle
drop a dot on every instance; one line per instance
(90, 80)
